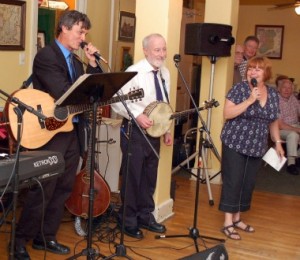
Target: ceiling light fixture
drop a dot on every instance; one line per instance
(297, 10)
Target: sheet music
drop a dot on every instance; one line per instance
(89, 88)
(273, 160)
(71, 89)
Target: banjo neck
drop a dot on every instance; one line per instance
(207, 105)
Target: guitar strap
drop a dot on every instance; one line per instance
(26, 83)
(164, 86)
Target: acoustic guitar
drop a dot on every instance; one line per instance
(37, 132)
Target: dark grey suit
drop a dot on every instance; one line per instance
(51, 75)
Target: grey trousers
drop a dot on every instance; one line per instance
(292, 142)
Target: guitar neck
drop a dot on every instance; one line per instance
(113, 100)
(207, 105)
(76, 109)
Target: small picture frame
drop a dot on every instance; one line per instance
(127, 27)
(41, 42)
(12, 25)
(270, 40)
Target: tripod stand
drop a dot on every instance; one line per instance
(209, 143)
(194, 231)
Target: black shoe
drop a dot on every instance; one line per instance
(292, 169)
(130, 231)
(134, 232)
(298, 162)
(154, 227)
(21, 253)
(51, 246)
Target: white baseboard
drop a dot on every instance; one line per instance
(164, 210)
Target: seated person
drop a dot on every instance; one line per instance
(289, 121)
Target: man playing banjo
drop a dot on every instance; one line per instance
(154, 78)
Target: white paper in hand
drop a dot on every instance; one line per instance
(273, 159)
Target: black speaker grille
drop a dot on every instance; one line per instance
(208, 39)
(215, 253)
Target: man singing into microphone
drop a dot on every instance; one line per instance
(251, 112)
(54, 71)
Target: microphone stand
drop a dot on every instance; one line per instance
(15, 174)
(23, 106)
(194, 231)
(121, 248)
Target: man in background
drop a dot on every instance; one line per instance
(289, 121)
(251, 44)
(238, 59)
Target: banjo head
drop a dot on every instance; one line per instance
(159, 112)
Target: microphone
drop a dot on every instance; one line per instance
(253, 82)
(96, 54)
(177, 58)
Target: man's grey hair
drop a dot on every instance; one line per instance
(147, 39)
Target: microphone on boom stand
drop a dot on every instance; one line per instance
(194, 232)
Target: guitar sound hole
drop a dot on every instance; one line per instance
(61, 113)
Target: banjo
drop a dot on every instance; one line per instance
(161, 114)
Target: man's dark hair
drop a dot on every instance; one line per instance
(251, 38)
(69, 18)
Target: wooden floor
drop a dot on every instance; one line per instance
(275, 217)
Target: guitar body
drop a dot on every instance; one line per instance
(78, 202)
(35, 133)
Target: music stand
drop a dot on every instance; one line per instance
(91, 89)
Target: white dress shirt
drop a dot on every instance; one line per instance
(145, 80)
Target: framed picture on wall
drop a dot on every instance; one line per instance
(126, 27)
(270, 40)
(12, 25)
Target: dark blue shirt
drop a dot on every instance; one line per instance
(248, 132)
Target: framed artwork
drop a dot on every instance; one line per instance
(12, 25)
(126, 58)
(41, 42)
(270, 40)
(127, 27)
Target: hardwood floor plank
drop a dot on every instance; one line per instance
(275, 218)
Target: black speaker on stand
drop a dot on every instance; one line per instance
(214, 40)
(208, 39)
